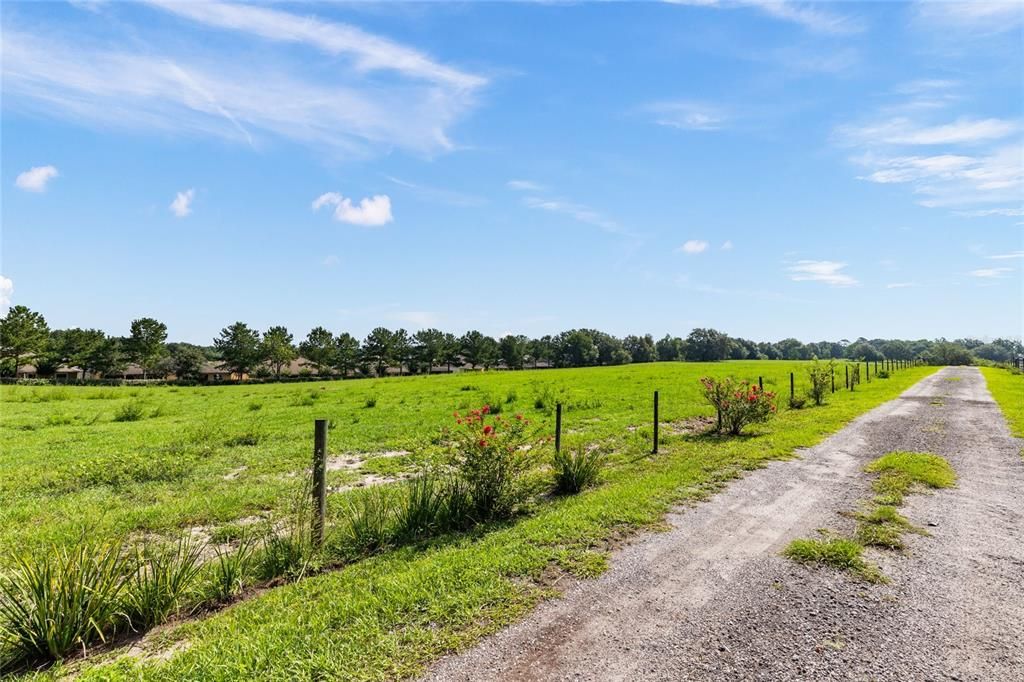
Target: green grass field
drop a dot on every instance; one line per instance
(209, 456)
(1008, 390)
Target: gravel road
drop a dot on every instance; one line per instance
(712, 599)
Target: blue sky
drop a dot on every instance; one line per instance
(770, 169)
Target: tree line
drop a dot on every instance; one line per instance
(26, 337)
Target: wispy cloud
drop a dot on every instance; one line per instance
(369, 52)
(826, 271)
(524, 186)
(901, 285)
(1008, 256)
(578, 212)
(35, 179)
(978, 16)
(809, 17)
(182, 204)
(370, 212)
(6, 291)
(991, 273)
(986, 212)
(904, 131)
(726, 245)
(686, 115)
(330, 261)
(438, 195)
(420, 319)
(187, 89)
(693, 246)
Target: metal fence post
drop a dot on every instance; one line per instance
(319, 480)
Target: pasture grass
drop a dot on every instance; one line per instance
(1007, 388)
(388, 615)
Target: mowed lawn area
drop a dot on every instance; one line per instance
(209, 456)
(1007, 387)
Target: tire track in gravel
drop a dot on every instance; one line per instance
(711, 599)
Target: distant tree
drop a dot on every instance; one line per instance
(346, 353)
(451, 351)
(23, 333)
(541, 350)
(863, 350)
(512, 349)
(108, 358)
(575, 348)
(793, 349)
(186, 360)
(319, 348)
(239, 347)
(478, 349)
(278, 348)
(707, 345)
(993, 352)
(378, 349)
(145, 345)
(610, 350)
(77, 347)
(947, 353)
(402, 351)
(896, 350)
(640, 348)
(429, 345)
(669, 348)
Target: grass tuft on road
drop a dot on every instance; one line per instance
(900, 471)
(839, 553)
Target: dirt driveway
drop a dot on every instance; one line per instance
(712, 599)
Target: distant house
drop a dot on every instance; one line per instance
(215, 371)
(65, 373)
(26, 372)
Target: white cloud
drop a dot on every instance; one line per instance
(193, 90)
(438, 194)
(686, 115)
(578, 212)
(901, 285)
(371, 211)
(182, 204)
(693, 246)
(35, 179)
(983, 213)
(990, 273)
(810, 18)
(727, 245)
(370, 52)
(827, 271)
(524, 186)
(1007, 256)
(330, 261)
(905, 131)
(975, 16)
(6, 291)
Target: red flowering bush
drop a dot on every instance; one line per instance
(738, 403)
(492, 455)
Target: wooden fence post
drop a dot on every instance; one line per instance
(760, 384)
(847, 365)
(655, 451)
(791, 393)
(833, 379)
(558, 427)
(319, 480)
(867, 370)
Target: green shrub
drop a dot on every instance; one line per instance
(371, 402)
(737, 403)
(59, 602)
(131, 411)
(492, 457)
(796, 403)
(165, 578)
(576, 468)
(820, 376)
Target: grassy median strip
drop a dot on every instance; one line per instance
(1007, 387)
(880, 524)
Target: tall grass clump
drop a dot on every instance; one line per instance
(165, 579)
(232, 569)
(60, 602)
(131, 411)
(576, 468)
(367, 521)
